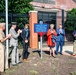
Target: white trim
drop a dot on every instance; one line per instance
(46, 9)
(33, 11)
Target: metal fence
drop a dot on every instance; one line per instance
(21, 19)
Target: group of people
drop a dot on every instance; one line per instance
(55, 38)
(25, 33)
(13, 36)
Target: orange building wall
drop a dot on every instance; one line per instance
(33, 36)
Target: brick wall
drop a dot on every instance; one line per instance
(61, 4)
(66, 4)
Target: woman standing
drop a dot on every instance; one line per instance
(25, 37)
(51, 39)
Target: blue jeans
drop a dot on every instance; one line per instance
(59, 44)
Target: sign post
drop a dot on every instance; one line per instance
(40, 29)
(41, 45)
(41, 34)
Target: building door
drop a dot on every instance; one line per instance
(47, 17)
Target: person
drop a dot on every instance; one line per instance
(50, 41)
(60, 39)
(2, 47)
(74, 45)
(25, 37)
(14, 43)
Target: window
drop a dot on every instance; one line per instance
(47, 17)
(46, 1)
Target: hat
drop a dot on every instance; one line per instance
(14, 23)
(2, 24)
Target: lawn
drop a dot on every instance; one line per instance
(61, 65)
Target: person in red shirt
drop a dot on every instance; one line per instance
(50, 40)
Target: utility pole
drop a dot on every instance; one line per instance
(6, 6)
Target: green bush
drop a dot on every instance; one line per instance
(70, 23)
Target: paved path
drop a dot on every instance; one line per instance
(67, 49)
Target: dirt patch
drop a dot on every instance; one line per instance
(61, 65)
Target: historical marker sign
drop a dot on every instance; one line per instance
(40, 28)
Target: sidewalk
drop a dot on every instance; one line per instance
(67, 49)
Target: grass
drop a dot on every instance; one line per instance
(42, 59)
(33, 72)
(10, 71)
(71, 62)
(53, 68)
(73, 73)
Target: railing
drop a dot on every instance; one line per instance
(12, 17)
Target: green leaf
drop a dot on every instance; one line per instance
(70, 23)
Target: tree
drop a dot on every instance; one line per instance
(16, 6)
(70, 23)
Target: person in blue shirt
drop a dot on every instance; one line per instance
(25, 37)
(60, 39)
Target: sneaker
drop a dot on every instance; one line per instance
(61, 54)
(56, 53)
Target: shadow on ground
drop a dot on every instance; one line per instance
(69, 52)
(39, 52)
